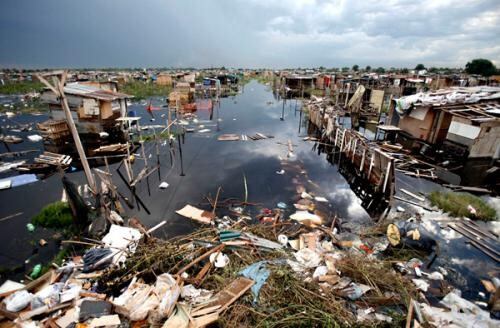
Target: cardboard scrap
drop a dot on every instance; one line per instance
(68, 318)
(196, 214)
(105, 321)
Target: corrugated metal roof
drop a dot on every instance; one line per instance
(93, 92)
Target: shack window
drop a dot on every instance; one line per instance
(115, 106)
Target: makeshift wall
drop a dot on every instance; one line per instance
(377, 99)
(164, 79)
(106, 110)
(416, 127)
(462, 131)
(488, 141)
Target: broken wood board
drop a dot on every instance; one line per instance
(229, 137)
(196, 214)
(68, 318)
(412, 195)
(230, 294)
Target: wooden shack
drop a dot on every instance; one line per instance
(95, 107)
(465, 117)
(164, 79)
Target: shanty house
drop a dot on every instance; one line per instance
(296, 82)
(468, 118)
(164, 79)
(94, 106)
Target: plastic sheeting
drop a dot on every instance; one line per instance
(449, 96)
(259, 273)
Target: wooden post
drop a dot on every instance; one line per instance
(362, 161)
(58, 89)
(347, 94)
(387, 172)
(371, 166)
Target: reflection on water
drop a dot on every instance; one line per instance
(207, 164)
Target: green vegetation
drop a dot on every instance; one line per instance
(456, 204)
(315, 92)
(55, 215)
(355, 68)
(19, 88)
(142, 90)
(162, 136)
(419, 67)
(481, 66)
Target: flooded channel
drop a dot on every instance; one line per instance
(272, 176)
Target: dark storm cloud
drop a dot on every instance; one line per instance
(250, 33)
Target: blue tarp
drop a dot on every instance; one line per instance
(259, 273)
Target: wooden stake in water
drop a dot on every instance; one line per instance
(59, 79)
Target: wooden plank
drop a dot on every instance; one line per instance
(231, 293)
(412, 194)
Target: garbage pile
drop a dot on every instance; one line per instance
(278, 271)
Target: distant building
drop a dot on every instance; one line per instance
(164, 79)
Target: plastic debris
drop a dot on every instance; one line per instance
(18, 301)
(322, 270)
(259, 273)
(305, 195)
(167, 289)
(37, 269)
(463, 314)
(410, 234)
(30, 227)
(122, 241)
(421, 284)
(163, 185)
(355, 291)
(307, 258)
(281, 172)
(34, 138)
(282, 205)
(306, 218)
(97, 259)
(49, 296)
(283, 240)
(471, 209)
(435, 276)
(219, 259)
(321, 199)
(195, 295)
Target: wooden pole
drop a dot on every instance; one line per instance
(58, 89)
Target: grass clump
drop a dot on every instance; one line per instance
(457, 205)
(55, 215)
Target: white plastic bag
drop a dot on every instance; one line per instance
(18, 301)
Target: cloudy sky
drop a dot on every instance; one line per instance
(247, 33)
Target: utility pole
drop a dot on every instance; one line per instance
(59, 79)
